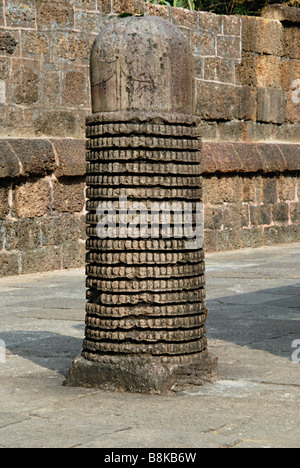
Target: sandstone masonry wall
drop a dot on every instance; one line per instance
(247, 72)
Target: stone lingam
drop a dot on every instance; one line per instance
(146, 313)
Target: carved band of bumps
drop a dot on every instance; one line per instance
(145, 285)
(142, 272)
(155, 298)
(141, 181)
(167, 323)
(92, 219)
(98, 130)
(153, 155)
(143, 142)
(140, 257)
(142, 117)
(152, 193)
(174, 310)
(145, 168)
(142, 348)
(148, 336)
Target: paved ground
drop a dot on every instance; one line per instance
(253, 300)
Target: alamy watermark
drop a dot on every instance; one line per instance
(165, 220)
(2, 352)
(296, 353)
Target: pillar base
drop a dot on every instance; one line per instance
(143, 374)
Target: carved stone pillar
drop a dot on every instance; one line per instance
(145, 322)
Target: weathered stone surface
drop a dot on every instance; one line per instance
(68, 195)
(141, 272)
(262, 36)
(148, 136)
(139, 374)
(282, 13)
(149, 311)
(70, 154)
(36, 156)
(9, 163)
(230, 102)
(8, 43)
(271, 105)
(55, 15)
(147, 168)
(4, 205)
(161, 80)
(138, 180)
(25, 85)
(291, 42)
(9, 263)
(32, 199)
(20, 14)
(154, 155)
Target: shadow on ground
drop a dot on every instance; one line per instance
(265, 320)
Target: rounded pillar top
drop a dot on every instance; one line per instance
(142, 65)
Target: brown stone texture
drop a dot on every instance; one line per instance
(71, 157)
(230, 102)
(271, 105)
(68, 195)
(8, 43)
(291, 42)
(75, 88)
(32, 199)
(262, 36)
(9, 163)
(158, 81)
(36, 156)
(4, 205)
(58, 14)
(282, 13)
(25, 84)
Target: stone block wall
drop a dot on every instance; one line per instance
(248, 99)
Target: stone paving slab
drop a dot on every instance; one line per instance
(253, 301)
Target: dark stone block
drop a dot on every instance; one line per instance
(37, 156)
(9, 164)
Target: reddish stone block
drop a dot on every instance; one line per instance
(271, 105)
(229, 47)
(262, 36)
(291, 153)
(32, 199)
(158, 10)
(68, 195)
(250, 157)
(35, 44)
